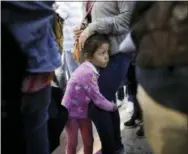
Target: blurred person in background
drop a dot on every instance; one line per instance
(72, 14)
(29, 24)
(160, 34)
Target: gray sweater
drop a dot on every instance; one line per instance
(112, 18)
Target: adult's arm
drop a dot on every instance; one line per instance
(115, 25)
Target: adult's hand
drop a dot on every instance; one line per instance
(83, 37)
(77, 31)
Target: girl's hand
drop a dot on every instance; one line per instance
(62, 102)
(115, 108)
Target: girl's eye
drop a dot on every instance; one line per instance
(100, 53)
(103, 52)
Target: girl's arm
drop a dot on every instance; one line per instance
(92, 88)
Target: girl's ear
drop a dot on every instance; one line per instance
(86, 56)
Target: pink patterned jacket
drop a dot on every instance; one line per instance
(83, 87)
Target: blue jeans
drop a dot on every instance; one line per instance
(67, 67)
(70, 63)
(34, 111)
(108, 123)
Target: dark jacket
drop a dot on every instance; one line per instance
(31, 24)
(162, 46)
(160, 32)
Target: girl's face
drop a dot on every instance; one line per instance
(101, 56)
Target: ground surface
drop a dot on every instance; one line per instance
(132, 144)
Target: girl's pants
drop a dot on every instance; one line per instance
(72, 127)
(108, 123)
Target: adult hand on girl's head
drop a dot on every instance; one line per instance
(83, 37)
(77, 31)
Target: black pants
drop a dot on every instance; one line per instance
(108, 123)
(121, 93)
(13, 70)
(132, 91)
(58, 118)
(108, 128)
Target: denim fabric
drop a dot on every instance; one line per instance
(58, 116)
(34, 111)
(31, 25)
(113, 75)
(70, 63)
(108, 123)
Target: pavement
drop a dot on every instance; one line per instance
(132, 144)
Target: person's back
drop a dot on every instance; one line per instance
(160, 34)
(30, 23)
(72, 14)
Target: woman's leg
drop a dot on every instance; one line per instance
(121, 93)
(104, 126)
(71, 64)
(72, 135)
(110, 80)
(87, 135)
(117, 131)
(132, 90)
(107, 124)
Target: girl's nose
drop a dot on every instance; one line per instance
(107, 57)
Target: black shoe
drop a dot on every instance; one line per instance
(131, 123)
(140, 132)
(121, 94)
(120, 149)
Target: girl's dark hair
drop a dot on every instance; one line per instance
(92, 43)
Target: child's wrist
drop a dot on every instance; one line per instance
(114, 108)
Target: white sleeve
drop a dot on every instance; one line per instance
(63, 9)
(127, 44)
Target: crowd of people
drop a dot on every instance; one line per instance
(140, 45)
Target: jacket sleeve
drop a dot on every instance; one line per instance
(63, 9)
(92, 89)
(114, 25)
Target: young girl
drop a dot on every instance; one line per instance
(83, 87)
